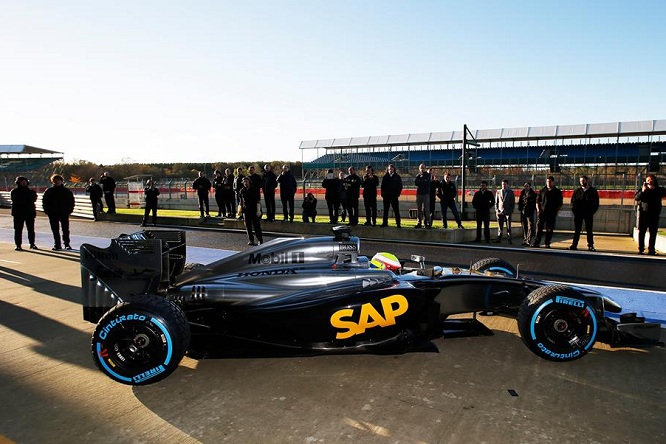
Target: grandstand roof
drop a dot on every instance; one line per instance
(16, 159)
(26, 149)
(581, 131)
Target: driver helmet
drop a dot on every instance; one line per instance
(385, 261)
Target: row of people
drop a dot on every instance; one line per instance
(228, 187)
(58, 204)
(538, 211)
(342, 194)
(105, 188)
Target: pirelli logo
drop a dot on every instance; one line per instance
(285, 257)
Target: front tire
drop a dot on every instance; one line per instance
(141, 341)
(557, 323)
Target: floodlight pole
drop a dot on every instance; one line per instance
(463, 204)
(465, 142)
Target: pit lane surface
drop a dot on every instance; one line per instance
(483, 389)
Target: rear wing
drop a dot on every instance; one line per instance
(145, 262)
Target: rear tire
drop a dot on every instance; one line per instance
(557, 323)
(141, 341)
(494, 265)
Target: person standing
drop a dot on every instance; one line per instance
(58, 204)
(255, 184)
(150, 194)
(218, 187)
(109, 187)
(448, 194)
(95, 192)
(422, 182)
(332, 196)
(288, 187)
(584, 203)
(23, 212)
(527, 208)
(352, 185)
(250, 202)
(203, 186)
(238, 186)
(268, 186)
(229, 194)
(648, 199)
(342, 196)
(370, 183)
(505, 202)
(549, 202)
(435, 188)
(482, 202)
(391, 190)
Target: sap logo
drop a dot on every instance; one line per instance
(392, 306)
(294, 257)
(569, 301)
(347, 247)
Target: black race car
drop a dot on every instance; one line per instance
(319, 295)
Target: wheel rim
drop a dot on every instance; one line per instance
(563, 331)
(134, 351)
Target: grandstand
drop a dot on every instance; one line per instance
(607, 149)
(25, 159)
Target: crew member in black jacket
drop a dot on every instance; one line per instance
(150, 193)
(482, 202)
(423, 181)
(370, 184)
(549, 202)
(288, 188)
(58, 204)
(218, 187)
(352, 186)
(584, 203)
(203, 186)
(250, 200)
(527, 208)
(332, 186)
(23, 212)
(390, 190)
(649, 199)
(268, 186)
(448, 194)
(229, 194)
(96, 193)
(238, 186)
(109, 187)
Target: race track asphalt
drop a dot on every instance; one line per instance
(481, 389)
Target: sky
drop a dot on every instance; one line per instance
(209, 81)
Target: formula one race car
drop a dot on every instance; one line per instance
(319, 295)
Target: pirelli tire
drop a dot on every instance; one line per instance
(558, 323)
(141, 341)
(494, 265)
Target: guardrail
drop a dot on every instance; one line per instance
(82, 204)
